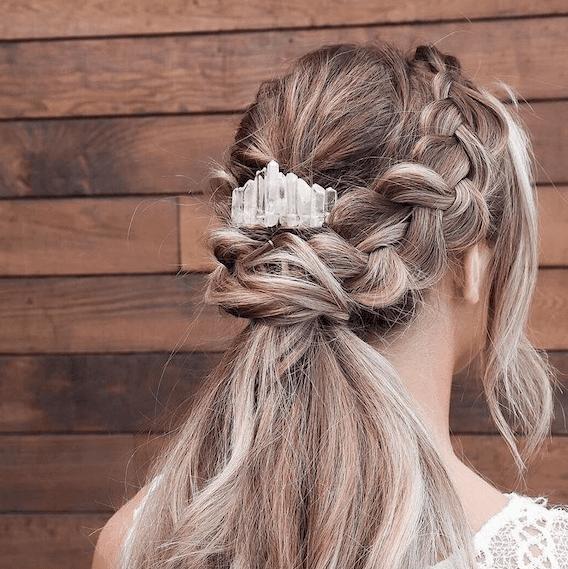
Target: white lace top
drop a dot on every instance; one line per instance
(525, 534)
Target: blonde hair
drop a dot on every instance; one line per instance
(305, 450)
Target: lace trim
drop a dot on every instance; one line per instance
(525, 534)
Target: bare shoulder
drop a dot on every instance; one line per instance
(114, 532)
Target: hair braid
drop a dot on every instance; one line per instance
(306, 450)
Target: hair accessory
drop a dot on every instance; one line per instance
(273, 198)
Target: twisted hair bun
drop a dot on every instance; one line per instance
(282, 282)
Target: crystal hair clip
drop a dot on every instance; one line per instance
(273, 198)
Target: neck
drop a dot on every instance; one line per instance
(426, 355)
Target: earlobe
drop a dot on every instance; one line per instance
(475, 265)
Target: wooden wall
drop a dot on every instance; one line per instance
(109, 112)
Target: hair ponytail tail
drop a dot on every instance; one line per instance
(306, 452)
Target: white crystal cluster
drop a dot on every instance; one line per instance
(273, 198)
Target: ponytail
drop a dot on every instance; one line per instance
(306, 452)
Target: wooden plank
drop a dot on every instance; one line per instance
(56, 18)
(111, 156)
(548, 126)
(170, 154)
(104, 393)
(156, 313)
(548, 323)
(469, 413)
(559, 363)
(196, 219)
(88, 236)
(137, 392)
(49, 541)
(109, 314)
(221, 72)
(547, 475)
(553, 205)
(65, 473)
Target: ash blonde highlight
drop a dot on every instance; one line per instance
(305, 450)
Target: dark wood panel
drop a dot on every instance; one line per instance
(97, 473)
(49, 541)
(156, 313)
(111, 156)
(49, 18)
(548, 126)
(548, 323)
(196, 218)
(135, 392)
(221, 72)
(110, 392)
(547, 475)
(469, 413)
(88, 236)
(109, 314)
(170, 154)
(65, 473)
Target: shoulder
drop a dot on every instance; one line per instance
(525, 530)
(114, 533)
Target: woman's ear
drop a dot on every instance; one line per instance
(475, 265)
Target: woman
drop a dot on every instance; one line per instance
(322, 438)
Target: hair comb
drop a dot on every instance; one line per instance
(273, 198)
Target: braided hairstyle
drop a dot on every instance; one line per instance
(417, 156)
(306, 450)
(427, 164)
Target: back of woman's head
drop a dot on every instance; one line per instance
(307, 450)
(426, 165)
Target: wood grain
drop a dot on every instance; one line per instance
(88, 236)
(98, 393)
(155, 313)
(469, 413)
(547, 475)
(150, 392)
(196, 219)
(204, 73)
(553, 205)
(66, 540)
(49, 541)
(169, 155)
(96, 473)
(109, 314)
(65, 473)
(91, 157)
(547, 123)
(548, 322)
(56, 18)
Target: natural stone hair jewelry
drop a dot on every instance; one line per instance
(273, 198)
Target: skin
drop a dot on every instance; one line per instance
(113, 534)
(444, 338)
